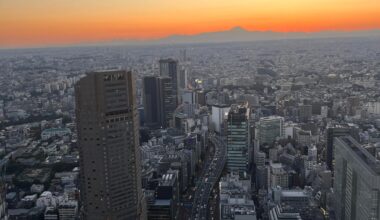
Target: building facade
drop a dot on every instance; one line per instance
(269, 129)
(333, 131)
(151, 101)
(167, 99)
(219, 114)
(235, 198)
(356, 181)
(107, 125)
(159, 101)
(169, 68)
(238, 139)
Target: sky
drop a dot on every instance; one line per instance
(28, 23)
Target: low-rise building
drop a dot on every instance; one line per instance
(235, 198)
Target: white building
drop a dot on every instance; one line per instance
(294, 201)
(47, 199)
(219, 114)
(278, 176)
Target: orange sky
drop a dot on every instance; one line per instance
(25, 23)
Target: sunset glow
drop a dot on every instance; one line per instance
(52, 22)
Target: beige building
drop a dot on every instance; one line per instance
(107, 124)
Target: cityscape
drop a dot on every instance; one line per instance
(211, 126)
(263, 130)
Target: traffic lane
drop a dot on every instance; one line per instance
(212, 171)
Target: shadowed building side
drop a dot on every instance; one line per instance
(159, 101)
(356, 181)
(169, 68)
(151, 101)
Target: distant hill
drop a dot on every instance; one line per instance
(238, 34)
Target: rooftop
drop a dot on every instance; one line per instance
(361, 152)
(162, 202)
(167, 179)
(293, 193)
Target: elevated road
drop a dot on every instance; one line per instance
(210, 175)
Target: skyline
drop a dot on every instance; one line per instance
(27, 23)
(251, 125)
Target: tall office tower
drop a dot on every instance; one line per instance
(159, 104)
(166, 101)
(182, 78)
(269, 129)
(169, 68)
(238, 138)
(200, 98)
(188, 96)
(336, 130)
(183, 55)
(107, 124)
(356, 181)
(218, 117)
(151, 101)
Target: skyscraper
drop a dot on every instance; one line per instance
(356, 181)
(169, 68)
(167, 100)
(333, 131)
(182, 78)
(159, 101)
(107, 124)
(151, 101)
(268, 129)
(238, 138)
(219, 114)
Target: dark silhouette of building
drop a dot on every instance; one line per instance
(159, 101)
(336, 130)
(151, 101)
(169, 68)
(107, 124)
(165, 205)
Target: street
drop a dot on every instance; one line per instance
(210, 175)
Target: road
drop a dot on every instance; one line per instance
(210, 176)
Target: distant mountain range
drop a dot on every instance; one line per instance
(238, 34)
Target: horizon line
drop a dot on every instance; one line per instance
(151, 41)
